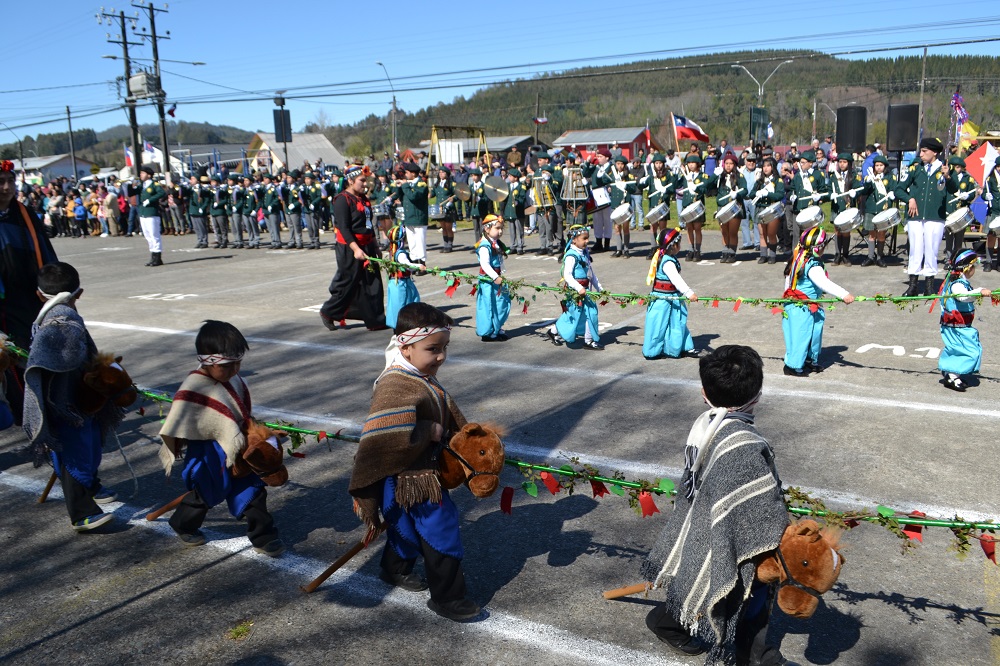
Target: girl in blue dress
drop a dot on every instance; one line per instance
(579, 315)
(963, 353)
(666, 331)
(400, 291)
(492, 297)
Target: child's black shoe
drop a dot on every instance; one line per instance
(459, 611)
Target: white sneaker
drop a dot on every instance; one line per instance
(104, 235)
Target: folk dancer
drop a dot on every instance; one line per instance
(880, 195)
(966, 190)
(809, 186)
(802, 324)
(925, 187)
(492, 297)
(692, 184)
(731, 188)
(845, 185)
(579, 310)
(217, 210)
(401, 291)
(666, 332)
(962, 353)
(660, 188)
(596, 171)
(355, 292)
(513, 209)
(768, 190)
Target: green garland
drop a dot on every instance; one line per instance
(603, 297)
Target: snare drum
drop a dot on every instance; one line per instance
(658, 212)
(848, 220)
(730, 211)
(809, 217)
(601, 198)
(886, 219)
(382, 210)
(435, 212)
(400, 213)
(693, 213)
(958, 220)
(994, 224)
(622, 214)
(773, 212)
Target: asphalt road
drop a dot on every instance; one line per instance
(876, 427)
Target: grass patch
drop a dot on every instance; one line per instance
(241, 631)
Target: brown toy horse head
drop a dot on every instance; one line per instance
(105, 379)
(805, 566)
(263, 455)
(474, 457)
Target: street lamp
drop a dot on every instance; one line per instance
(760, 86)
(395, 146)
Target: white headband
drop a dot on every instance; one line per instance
(219, 359)
(408, 338)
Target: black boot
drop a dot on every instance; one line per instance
(156, 261)
(912, 290)
(929, 286)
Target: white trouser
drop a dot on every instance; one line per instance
(416, 241)
(151, 230)
(602, 223)
(925, 241)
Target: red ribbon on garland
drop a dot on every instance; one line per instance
(915, 532)
(550, 482)
(452, 287)
(737, 304)
(647, 504)
(598, 488)
(989, 544)
(715, 303)
(506, 497)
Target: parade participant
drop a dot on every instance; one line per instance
(235, 209)
(596, 170)
(251, 204)
(623, 186)
(149, 198)
(272, 210)
(207, 423)
(314, 199)
(966, 190)
(802, 324)
(666, 332)
(492, 297)
(549, 213)
(808, 188)
(692, 183)
(414, 196)
(880, 186)
(748, 231)
(292, 199)
(400, 291)
(355, 292)
(197, 203)
(220, 223)
(729, 511)
(479, 204)
(845, 185)
(991, 195)
(382, 202)
(925, 187)
(730, 186)
(962, 353)
(513, 209)
(56, 426)
(660, 188)
(396, 470)
(444, 195)
(579, 310)
(767, 190)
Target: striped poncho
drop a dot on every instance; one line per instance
(704, 557)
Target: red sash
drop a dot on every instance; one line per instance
(363, 239)
(956, 319)
(800, 296)
(664, 285)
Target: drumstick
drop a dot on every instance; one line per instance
(627, 591)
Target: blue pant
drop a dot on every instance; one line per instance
(962, 353)
(576, 319)
(435, 523)
(492, 308)
(666, 330)
(803, 334)
(205, 471)
(399, 292)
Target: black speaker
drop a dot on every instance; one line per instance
(852, 126)
(901, 127)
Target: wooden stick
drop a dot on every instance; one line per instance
(628, 591)
(169, 506)
(341, 561)
(48, 488)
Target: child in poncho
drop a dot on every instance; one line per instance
(666, 332)
(579, 315)
(395, 480)
(729, 510)
(962, 353)
(492, 297)
(207, 423)
(58, 429)
(400, 291)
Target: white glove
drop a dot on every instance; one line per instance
(312, 206)
(988, 196)
(891, 196)
(269, 209)
(964, 196)
(145, 202)
(815, 196)
(718, 170)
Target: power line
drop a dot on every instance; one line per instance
(75, 85)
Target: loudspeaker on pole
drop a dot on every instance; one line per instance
(901, 127)
(852, 128)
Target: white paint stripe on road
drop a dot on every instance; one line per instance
(862, 397)
(497, 626)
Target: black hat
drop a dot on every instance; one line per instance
(411, 167)
(444, 168)
(233, 177)
(294, 173)
(932, 144)
(145, 168)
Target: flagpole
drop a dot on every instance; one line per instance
(673, 125)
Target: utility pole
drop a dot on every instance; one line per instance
(920, 106)
(129, 99)
(160, 94)
(814, 118)
(538, 97)
(72, 149)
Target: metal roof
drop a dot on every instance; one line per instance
(302, 147)
(610, 135)
(38, 163)
(494, 144)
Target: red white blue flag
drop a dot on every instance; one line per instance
(688, 129)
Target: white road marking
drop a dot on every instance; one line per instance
(499, 626)
(861, 397)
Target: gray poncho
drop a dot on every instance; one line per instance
(733, 512)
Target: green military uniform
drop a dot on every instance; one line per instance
(314, 198)
(965, 192)
(235, 209)
(444, 196)
(600, 194)
(271, 194)
(693, 185)
(880, 195)
(729, 189)
(844, 184)
(659, 190)
(251, 198)
(805, 186)
(198, 199)
(414, 195)
(220, 221)
(549, 214)
(149, 199)
(291, 198)
(622, 185)
(513, 211)
(991, 194)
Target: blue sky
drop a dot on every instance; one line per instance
(253, 48)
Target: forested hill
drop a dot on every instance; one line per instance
(716, 96)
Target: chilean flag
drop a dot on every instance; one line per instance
(128, 156)
(686, 129)
(540, 121)
(980, 163)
